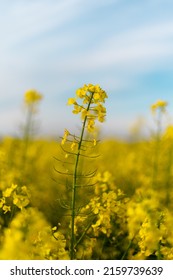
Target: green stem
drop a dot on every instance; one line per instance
(168, 176)
(75, 175)
(27, 134)
(127, 250)
(156, 152)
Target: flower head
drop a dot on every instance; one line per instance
(32, 96)
(159, 105)
(89, 103)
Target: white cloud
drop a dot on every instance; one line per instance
(24, 20)
(137, 50)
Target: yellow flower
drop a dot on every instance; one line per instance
(54, 228)
(77, 109)
(8, 191)
(71, 101)
(2, 202)
(91, 88)
(32, 96)
(100, 109)
(96, 95)
(91, 125)
(73, 146)
(94, 142)
(66, 134)
(101, 117)
(6, 209)
(160, 104)
(81, 92)
(20, 201)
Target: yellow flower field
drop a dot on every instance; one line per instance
(82, 198)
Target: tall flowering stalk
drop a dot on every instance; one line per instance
(31, 100)
(158, 109)
(88, 102)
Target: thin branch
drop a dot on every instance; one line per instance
(66, 162)
(62, 173)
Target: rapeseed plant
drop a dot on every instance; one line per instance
(158, 109)
(88, 102)
(31, 100)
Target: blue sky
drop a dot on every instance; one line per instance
(56, 46)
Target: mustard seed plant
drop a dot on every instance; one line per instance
(89, 104)
(158, 109)
(31, 101)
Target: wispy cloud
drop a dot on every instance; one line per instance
(136, 49)
(25, 20)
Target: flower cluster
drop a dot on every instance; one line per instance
(29, 236)
(32, 96)
(90, 105)
(159, 105)
(31, 99)
(14, 195)
(106, 212)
